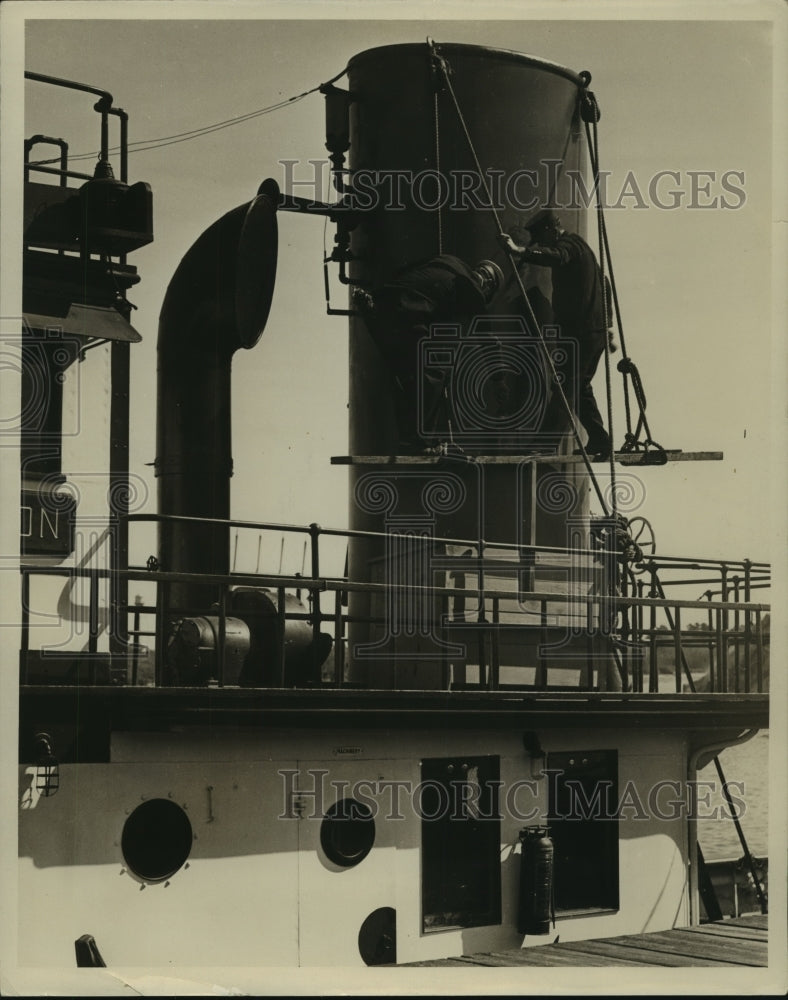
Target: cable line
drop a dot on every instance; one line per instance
(627, 367)
(590, 113)
(143, 145)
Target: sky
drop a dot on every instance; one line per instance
(695, 283)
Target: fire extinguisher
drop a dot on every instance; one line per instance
(536, 908)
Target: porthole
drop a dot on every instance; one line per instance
(347, 832)
(157, 840)
(377, 939)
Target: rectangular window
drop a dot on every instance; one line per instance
(460, 842)
(584, 828)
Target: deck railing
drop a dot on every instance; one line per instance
(520, 627)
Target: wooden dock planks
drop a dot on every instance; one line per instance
(739, 942)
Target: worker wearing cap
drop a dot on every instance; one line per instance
(399, 314)
(578, 301)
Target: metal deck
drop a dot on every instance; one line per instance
(739, 942)
(99, 710)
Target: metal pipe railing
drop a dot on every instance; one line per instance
(516, 547)
(339, 641)
(103, 105)
(61, 144)
(280, 629)
(601, 609)
(342, 584)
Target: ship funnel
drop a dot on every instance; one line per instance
(217, 302)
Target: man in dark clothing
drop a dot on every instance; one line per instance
(578, 301)
(399, 314)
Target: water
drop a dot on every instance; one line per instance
(749, 765)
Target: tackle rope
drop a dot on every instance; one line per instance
(590, 113)
(434, 71)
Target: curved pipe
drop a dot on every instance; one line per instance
(217, 302)
(105, 102)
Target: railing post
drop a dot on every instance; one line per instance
(495, 652)
(481, 618)
(480, 615)
(720, 685)
(104, 134)
(162, 610)
(124, 142)
(314, 536)
(339, 647)
(637, 683)
(93, 615)
(747, 626)
(736, 642)
(445, 666)
(222, 635)
(677, 646)
(587, 678)
(710, 644)
(759, 641)
(541, 661)
(280, 628)
(723, 664)
(135, 649)
(653, 667)
(24, 641)
(626, 630)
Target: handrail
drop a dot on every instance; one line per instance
(342, 584)
(686, 562)
(105, 98)
(104, 106)
(635, 641)
(602, 597)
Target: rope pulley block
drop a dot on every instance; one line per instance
(589, 108)
(439, 68)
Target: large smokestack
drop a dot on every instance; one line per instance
(521, 115)
(217, 302)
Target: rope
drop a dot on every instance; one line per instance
(442, 64)
(617, 310)
(591, 114)
(436, 68)
(436, 121)
(627, 367)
